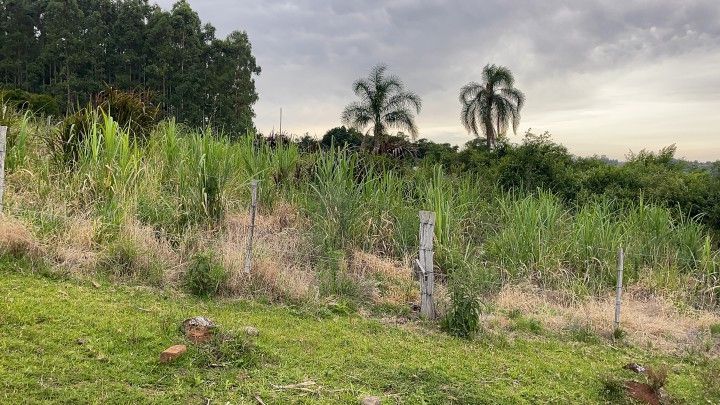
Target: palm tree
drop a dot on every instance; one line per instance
(384, 104)
(492, 105)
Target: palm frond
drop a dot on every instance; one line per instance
(384, 103)
(363, 89)
(404, 99)
(495, 103)
(402, 119)
(502, 76)
(356, 115)
(470, 91)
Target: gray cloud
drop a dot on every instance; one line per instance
(602, 60)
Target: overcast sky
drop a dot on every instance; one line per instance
(604, 77)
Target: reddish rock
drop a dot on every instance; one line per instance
(642, 393)
(172, 353)
(198, 329)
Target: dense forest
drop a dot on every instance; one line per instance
(72, 49)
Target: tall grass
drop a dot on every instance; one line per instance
(181, 179)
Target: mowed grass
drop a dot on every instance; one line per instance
(68, 341)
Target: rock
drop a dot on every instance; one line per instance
(643, 393)
(251, 331)
(638, 368)
(198, 329)
(172, 353)
(370, 400)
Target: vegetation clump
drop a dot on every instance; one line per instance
(205, 276)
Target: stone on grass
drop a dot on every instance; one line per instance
(172, 353)
(370, 400)
(198, 329)
(251, 331)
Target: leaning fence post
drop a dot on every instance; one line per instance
(427, 274)
(3, 137)
(618, 290)
(253, 210)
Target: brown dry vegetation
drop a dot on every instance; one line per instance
(16, 239)
(648, 320)
(283, 271)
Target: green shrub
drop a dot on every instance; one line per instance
(132, 111)
(127, 260)
(619, 334)
(68, 139)
(613, 389)
(583, 333)
(463, 316)
(32, 102)
(334, 279)
(205, 277)
(227, 350)
(524, 324)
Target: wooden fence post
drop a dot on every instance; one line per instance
(253, 210)
(425, 261)
(3, 139)
(618, 290)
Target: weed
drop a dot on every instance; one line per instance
(205, 277)
(463, 317)
(619, 334)
(227, 349)
(583, 333)
(613, 389)
(525, 324)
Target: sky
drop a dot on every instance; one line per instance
(603, 77)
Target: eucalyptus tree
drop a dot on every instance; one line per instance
(492, 106)
(69, 50)
(384, 104)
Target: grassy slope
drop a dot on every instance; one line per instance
(41, 320)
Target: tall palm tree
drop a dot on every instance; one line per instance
(384, 104)
(492, 105)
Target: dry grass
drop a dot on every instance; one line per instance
(279, 270)
(75, 251)
(650, 321)
(17, 240)
(151, 251)
(386, 281)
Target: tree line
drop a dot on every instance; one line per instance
(73, 49)
(490, 107)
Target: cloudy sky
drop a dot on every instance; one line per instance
(604, 77)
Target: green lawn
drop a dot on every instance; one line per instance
(123, 329)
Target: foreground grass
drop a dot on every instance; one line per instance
(66, 341)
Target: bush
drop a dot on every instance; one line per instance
(715, 330)
(463, 317)
(69, 137)
(128, 259)
(227, 350)
(36, 103)
(342, 137)
(132, 111)
(205, 277)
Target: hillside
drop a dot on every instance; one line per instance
(154, 212)
(72, 342)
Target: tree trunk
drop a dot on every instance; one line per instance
(489, 132)
(378, 138)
